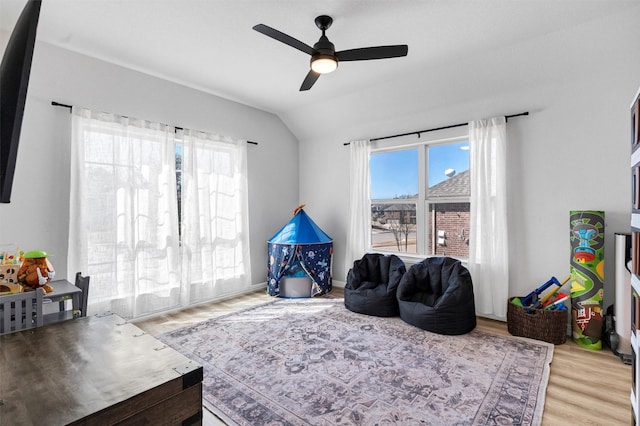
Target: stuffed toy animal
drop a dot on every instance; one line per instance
(36, 271)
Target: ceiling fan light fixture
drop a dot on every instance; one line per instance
(324, 64)
(324, 58)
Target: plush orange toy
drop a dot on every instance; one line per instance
(36, 271)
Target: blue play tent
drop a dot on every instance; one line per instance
(300, 249)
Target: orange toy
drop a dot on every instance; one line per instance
(36, 271)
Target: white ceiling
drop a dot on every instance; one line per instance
(210, 45)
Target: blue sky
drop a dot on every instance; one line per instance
(396, 173)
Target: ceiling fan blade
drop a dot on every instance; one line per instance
(309, 80)
(378, 52)
(284, 38)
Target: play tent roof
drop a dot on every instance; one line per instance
(301, 229)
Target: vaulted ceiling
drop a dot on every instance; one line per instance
(210, 45)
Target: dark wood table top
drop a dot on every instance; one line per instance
(66, 371)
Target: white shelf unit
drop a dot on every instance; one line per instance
(635, 239)
(635, 338)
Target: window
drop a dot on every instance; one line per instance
(420, 199)
(158, 218)
(179, 181)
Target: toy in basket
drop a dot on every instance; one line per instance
(537, 316)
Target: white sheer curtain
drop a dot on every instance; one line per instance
(488, 242)
(215, 230)
(123, 230)
(359, 228)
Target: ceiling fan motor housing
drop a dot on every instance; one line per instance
(324, 49)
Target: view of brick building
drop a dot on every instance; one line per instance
(394, 225)
(450, 221)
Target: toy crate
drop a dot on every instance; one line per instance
(540, 324)
(295, 287)
(9, 279)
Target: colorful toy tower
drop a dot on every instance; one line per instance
(587, 276)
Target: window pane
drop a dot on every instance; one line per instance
(394, 174)
(449, 229)
(179, 185)
(448, 170)
(393, 227)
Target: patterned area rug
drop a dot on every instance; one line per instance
(311, 361)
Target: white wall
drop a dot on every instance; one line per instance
(571, 152)
(38, 215)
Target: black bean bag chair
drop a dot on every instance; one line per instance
(372, 283)
(437, 295)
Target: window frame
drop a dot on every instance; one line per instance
(422, 201)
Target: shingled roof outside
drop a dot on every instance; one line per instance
(456, 186)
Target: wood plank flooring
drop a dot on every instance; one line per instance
(585, 387)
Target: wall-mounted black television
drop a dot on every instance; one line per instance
(14, 80)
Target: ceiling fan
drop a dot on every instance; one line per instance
(324, 58)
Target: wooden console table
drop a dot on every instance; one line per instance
(96, 370)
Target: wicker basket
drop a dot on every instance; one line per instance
(540, 324)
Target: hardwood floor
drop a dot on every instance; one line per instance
(585, 387)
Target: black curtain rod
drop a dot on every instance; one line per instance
(54, 103)
(507, 117)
